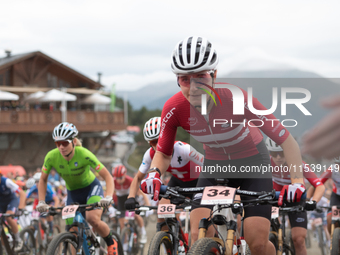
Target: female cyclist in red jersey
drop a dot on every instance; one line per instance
(194, 62)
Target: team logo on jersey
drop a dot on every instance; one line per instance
(179, 159)
(282, 132)
(97, 168)
(76, 163)
(192, 121)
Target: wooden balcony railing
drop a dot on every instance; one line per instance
(13, 121)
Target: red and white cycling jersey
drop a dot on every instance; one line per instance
(233, 140)
(281, 178)
(124, 188)
(332, 172)
(184, 162)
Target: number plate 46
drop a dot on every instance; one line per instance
(218, 195)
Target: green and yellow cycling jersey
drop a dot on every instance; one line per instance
(76, 172)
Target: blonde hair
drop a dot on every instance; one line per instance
(77, 142)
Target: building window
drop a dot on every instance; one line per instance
(52, 81)
(6, 139)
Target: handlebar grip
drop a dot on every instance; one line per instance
(163, 189)
(277, 194)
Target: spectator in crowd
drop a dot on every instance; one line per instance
(53, 176)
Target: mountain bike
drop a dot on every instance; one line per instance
(222, 198)
(130, 235)
(41, 232)
(83, 240)
(335, 229)
(173, 240)
(8, 240)
(320, 235)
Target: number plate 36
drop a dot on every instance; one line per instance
(166, 211)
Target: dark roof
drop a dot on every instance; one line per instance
(12, 58)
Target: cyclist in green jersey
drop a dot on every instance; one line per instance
(73, 162)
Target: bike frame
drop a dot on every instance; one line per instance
(4, 239)
(80, 222)
(279, 230)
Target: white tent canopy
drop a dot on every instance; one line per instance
(56, 96)
(7, 96)
(34, 96)
(96, 98)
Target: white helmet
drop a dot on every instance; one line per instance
(62, 182)
(56, 184)
(152, 128)
(272, 146)
(30, 183)
(37, 176)
(336, 160)
(64, 131)
(193, 54)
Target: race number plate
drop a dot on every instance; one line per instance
(69, 211)
(35, 215)
(275, 212)
(130, 215)
(166, 211)
(318, 222)
(218, 195)
(335, 213)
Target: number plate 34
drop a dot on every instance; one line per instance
(218, 195)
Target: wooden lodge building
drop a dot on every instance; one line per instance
(26, 128)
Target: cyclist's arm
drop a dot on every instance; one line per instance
(145, 197)
(42, 186)
(292, 154)
(161, 161)
(315, 181)
(22, 196)
(56, 201)
(105, 174)
(134, 188)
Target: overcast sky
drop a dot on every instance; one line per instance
(131, 42)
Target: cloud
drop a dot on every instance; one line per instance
(130, 81)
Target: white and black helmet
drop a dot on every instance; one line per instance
(64, 131)
(152, 128)
(272, 146)
(193, 54)
(336, 159)
(30, 183)
(37, 176)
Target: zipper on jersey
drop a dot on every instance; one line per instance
(207, 119)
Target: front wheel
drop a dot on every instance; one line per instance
(205, 246)
(322, 243)
(335, 242)
(27, 236)
(129, 241)
(161, 244)
(64, 243)
(273, 239)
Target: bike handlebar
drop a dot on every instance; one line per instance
(184, 191)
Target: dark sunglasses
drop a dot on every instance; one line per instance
(153, 142)
(119, 178)
(63, 143)
(275, 153)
